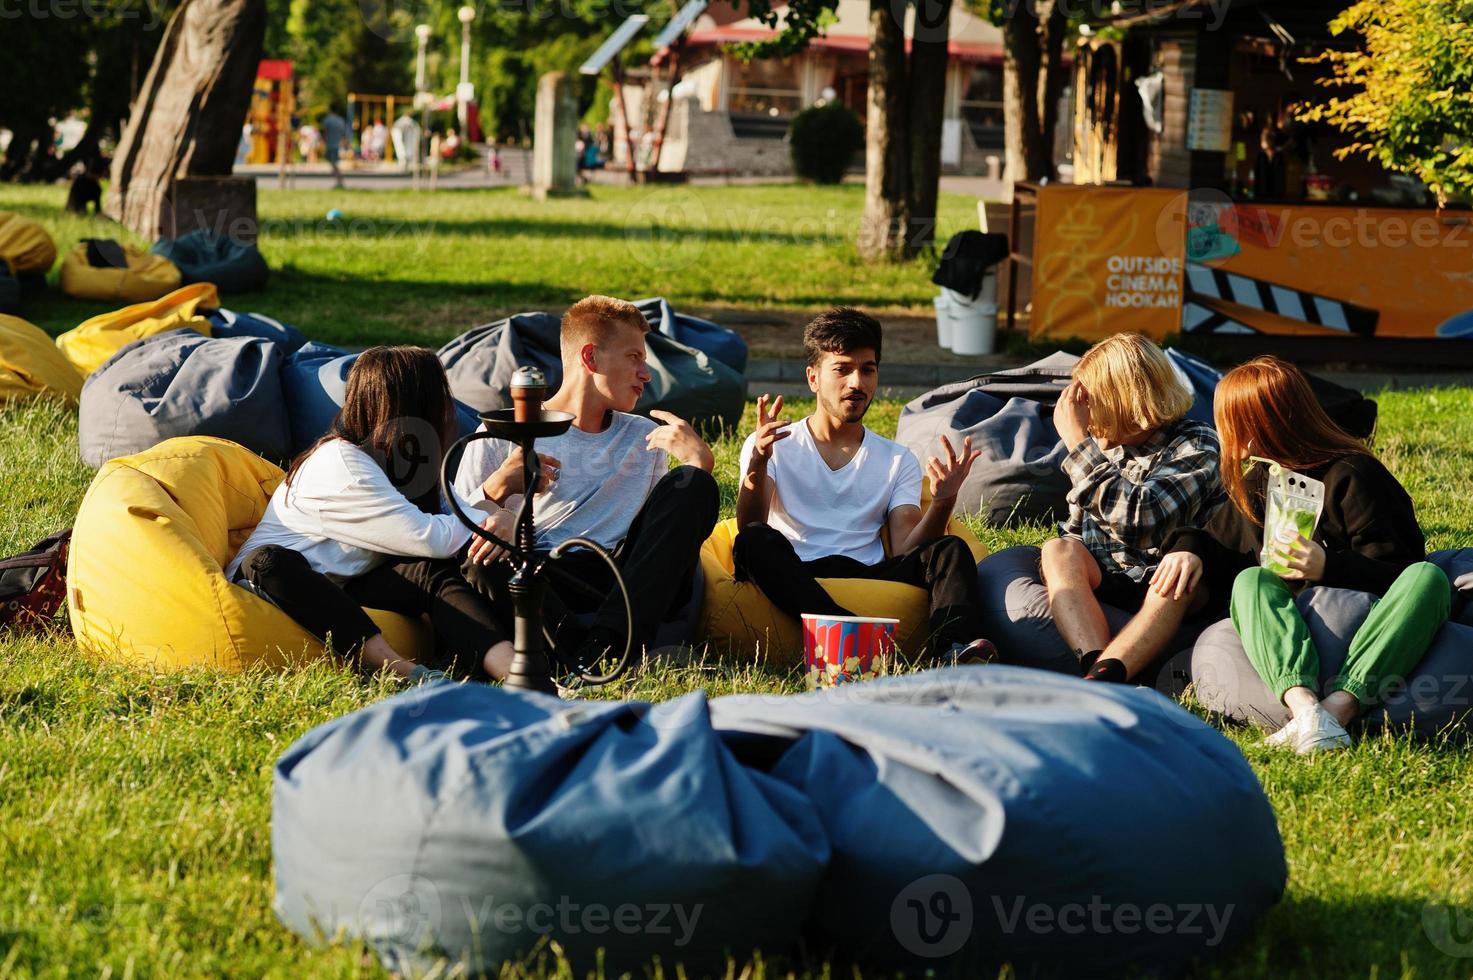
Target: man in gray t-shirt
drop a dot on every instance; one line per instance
(602, 479)
(608, 478)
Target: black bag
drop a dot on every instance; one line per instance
(33, 584)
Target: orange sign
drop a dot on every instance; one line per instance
(1108, 259)
(1327, 270)
(1152, 260)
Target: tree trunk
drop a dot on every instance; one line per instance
(927, 97)
(1028, 157)
(882, 231)
(187, 118)
(1054, 26)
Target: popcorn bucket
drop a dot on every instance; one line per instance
(837, 649)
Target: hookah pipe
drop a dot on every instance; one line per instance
(524, 424)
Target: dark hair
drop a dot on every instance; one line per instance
(840, 331)
(398, 409)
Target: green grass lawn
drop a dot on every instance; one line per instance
(401, 266)
(135, 807)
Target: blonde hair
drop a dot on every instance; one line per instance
(593, 318)
(1132, 387)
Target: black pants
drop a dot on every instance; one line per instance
(657, 560)
(943, 567)
(464, 622)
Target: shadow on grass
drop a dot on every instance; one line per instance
(1358, 936)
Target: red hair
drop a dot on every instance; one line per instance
(1267, 408)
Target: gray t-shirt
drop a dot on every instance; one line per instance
(605, 479)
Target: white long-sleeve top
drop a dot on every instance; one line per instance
(345, 517)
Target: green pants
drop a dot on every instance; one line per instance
(1388, 645)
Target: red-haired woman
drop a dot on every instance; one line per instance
(1367, 539)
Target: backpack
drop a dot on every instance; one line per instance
(33, 584)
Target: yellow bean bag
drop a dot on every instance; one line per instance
(737, 613)
(89, 345)
(145, 277)
(25, 246)
(30, 364)
(145, 578)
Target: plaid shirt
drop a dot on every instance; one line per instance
(1125, 500)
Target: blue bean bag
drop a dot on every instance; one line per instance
(726, 346)
(472, 822)
(202, 256)
(943, 821)
(314, 379)
(228, 323)
(1436, 700)
(181, 383)
(9, 290)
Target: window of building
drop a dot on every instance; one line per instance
(764, 86)
(981, 105)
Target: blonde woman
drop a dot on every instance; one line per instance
(1138, 469)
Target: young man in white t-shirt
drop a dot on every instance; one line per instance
(816, 493)
(609, 480)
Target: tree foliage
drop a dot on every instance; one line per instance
(1407, 89)
(64, 59)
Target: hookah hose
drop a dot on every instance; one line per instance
(526, 559)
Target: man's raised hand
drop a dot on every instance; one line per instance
(678, 439)
(949, 473)
(770, 429)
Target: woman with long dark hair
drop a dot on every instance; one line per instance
(1367, 539)
(358, 522)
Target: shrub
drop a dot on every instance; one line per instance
(823, 139)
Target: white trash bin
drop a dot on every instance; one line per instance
(973, 324)
(942, 302)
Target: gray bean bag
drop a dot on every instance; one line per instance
(180, 383)
(314, 379)
(1009, 415)
(1015, 616)
(935, 822)
(1436, 699)
(687, 382)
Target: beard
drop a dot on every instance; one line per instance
(849, 410)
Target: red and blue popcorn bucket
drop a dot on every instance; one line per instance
(838, 649)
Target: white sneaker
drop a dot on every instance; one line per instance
(1285, 735)
(1320, 732)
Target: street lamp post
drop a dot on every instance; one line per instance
(421, 100)
(422, 33)
(464, 92)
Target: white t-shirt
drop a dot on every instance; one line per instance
(344, 515)
(605, 479)
(837, 512)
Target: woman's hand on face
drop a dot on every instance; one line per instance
(1071, 415)
(1177, 575)
(1304, 558)
(483, 552)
